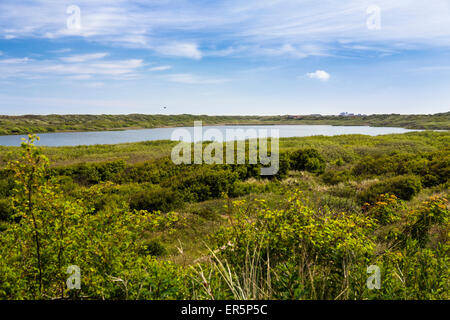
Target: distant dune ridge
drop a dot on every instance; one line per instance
(62, 123)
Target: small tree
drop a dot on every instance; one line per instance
(51, 232)
(39, 239)
(308, 159)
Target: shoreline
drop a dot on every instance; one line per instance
(225, 124)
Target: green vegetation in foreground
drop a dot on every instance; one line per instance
(140, 227)
(347, 147)
(57, 123)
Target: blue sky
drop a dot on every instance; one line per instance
(224, 57)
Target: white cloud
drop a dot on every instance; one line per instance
(84, 57)
(186, 50)
(192, 79)
(433, 68)
(65, 50)
(272, 27)
(15, 61)
(105, 68)
(160, 68)
(81, 70)
(320, 75)
(94, 85)
(80, 77)
(226, 51)
(297, 51)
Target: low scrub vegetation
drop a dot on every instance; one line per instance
(56, 123)
(142, 227)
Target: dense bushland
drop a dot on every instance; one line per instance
(301, 253)
(156, 230)
(54, 123)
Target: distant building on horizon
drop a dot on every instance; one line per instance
(346, 114)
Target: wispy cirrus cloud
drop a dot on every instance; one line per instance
(297, 51)
(433, 68)
(160, 68)
(14, 61)
(94, 84)
(84, 57)
(80, 77)
(276, 27)
(78, 67)
(104, 68)
(186, 50)
(187, 78)
(262, 45)
(65, 50)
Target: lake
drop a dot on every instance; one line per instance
(113, 137)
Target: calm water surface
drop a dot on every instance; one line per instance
(113, 137)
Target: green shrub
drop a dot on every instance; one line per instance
(5, 210)
(284, 166)
(335, 177)
(203, 182)
(432, 212)
(154, 172)
(154, 248)
(93, 173)
(307, 160)
(6, 184)
(322, 246)
(404, 187)
(163, 199)
(437, 171)
(387, 210)
(414, 274)
(338, 204)
(432, 167)
(246, 171)
(339, 162)
(205, 212)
